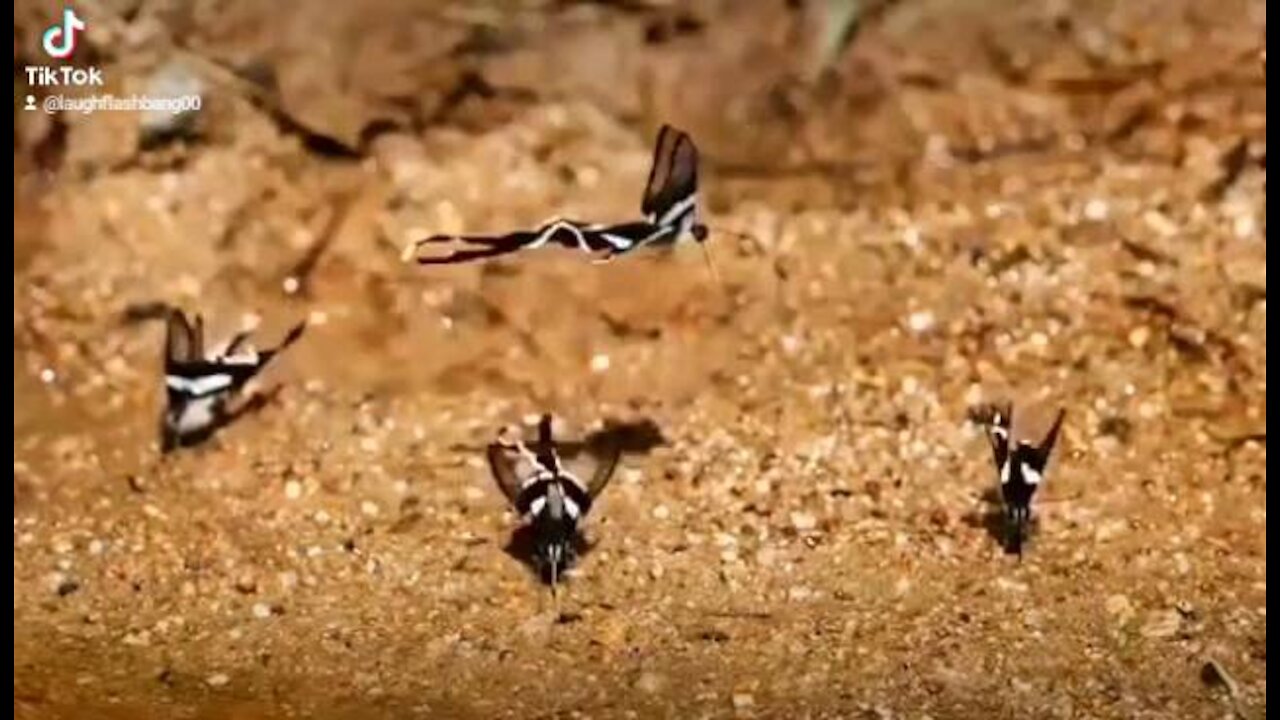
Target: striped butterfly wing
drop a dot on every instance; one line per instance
(183, 341)
(999, 432)
(1042, 452)
(593, 463)
(673, 177)
(511, 463)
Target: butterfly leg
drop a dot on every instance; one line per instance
(236, 341)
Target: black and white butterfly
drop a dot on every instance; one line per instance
(669, 206)
(552, 499)
(1020, 464)
(200, 386)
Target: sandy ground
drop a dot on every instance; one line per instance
(975, 201)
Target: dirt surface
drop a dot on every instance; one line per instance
(1058, 203)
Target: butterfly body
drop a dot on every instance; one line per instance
(1020, 466)
(552, 500)
(199, 388)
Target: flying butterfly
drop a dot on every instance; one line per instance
(200, 386)
(552, 498)
(1020, 464)
(669, 206)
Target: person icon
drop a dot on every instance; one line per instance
(31, 102)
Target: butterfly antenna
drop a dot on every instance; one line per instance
(734, 233)
(711, 265)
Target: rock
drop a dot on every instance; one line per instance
(1097, 210)
(217, 680)
(799, 593)
(1162, 624)
(921, 321)
(142, 638)
(1139, 336)
(62, 584)
(874, 490)
(538, 625)
(743, 701)
(939, 518)
(1214, 674)
(611, 633)
(651, 683)
(246, 583)
(174, 82)
(1119, 607)
(67, 586)
(261, 610)
(803, 522)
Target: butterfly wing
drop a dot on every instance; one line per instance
(673, 177)
(594, 463)
(606, 457)
(1041, 456)
(566, 233)
(197, 339)
(511, 464)
(481, 246)
(182, 341)
(998, 432)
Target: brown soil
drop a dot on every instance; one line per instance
(1059, 203)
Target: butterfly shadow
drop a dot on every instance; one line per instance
(252, 404)
(991, 517)
(631, 437)
(522, 546)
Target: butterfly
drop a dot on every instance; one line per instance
(669, 206)
(199, 387)
(1020, 464)
(552, 499)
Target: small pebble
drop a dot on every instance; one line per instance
(921, 321)
(1162, 624)
(1097, 210)
(803, 522)
(1139, 336)
(650, 683)
(1119, 606)
(245, 583)
(67, 586)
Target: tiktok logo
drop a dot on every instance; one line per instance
(60, 40)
